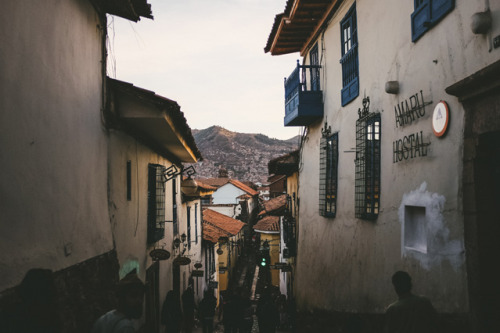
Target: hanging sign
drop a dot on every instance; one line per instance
(181, 261)
(197, 273)
(159, 254)
(440, 119)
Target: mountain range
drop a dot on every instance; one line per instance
(244, 156)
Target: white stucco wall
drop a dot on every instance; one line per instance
(345, 264)
(226, 194)
(53, 187)
(129, 217)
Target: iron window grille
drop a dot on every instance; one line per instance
(328, 172)
(196, 223)
(349, 60)
(174, 206)
(289, 231)
(156, 203)
(188, 220)
(367, 182)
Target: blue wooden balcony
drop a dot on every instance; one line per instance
(303, 97)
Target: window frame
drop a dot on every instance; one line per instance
(328, 175)
(368, 161)
(174, 207)
(349, 56)
(426, 14)
(156, 203)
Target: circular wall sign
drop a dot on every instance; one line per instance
(440, 119)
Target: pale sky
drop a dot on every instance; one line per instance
(208, 55)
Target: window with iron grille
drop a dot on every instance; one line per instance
(426, 14)
(156, 203)
(174, 206)
(367, 183)
(349, 60)
(188, 222)
(328, 175)
(196, 223)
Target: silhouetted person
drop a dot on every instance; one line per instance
(188, 307)
(171, 313)
(246, 312)
(130, 293)
(410, 313)
(207, 311)
(229, 312)
(267, 313)
(36, 309)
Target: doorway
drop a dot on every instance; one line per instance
(487, 193)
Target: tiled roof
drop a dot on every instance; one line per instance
(167, 106)
(205, 186)
(222, 221)
(298, 24)
(243, 187)
(274, 206)
(131, 10)
(212, 234)
(284, 164)
(216, 182)
(268, 223)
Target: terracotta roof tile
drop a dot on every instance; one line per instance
(243, 187)
(212, 233)
(222, 221)
(274, 206)
(268, 223)
(216, 182)
(205, 186)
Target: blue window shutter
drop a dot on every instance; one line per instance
(350, 92)
(420, 20)
(439, 8)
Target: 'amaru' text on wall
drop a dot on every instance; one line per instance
(410, 109)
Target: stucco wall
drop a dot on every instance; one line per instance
(129, 217)
(53, 192)
(227, 194)
(345, 264)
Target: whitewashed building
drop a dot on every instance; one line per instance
(400, 106)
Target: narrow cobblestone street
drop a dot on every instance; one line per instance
(248, 277)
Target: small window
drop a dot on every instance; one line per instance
(129, 180)
(188, 222)
(426, 14)
(349, 60)
(367, 183)
(414, 230)
(174, 206)
(156, 203)
(328, 175)
(196, 223)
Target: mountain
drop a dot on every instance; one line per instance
(244, 156)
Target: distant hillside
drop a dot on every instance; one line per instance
(245, 156)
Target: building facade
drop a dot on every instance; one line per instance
(400, 108)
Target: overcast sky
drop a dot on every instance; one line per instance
(209, 57)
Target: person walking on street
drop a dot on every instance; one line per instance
(228, 312)
(207, 311)
(267, 313)
(130, 299)
(246, 309)
(171, 313)
(410, 313)
(188, 307)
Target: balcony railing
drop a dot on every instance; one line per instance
(303, 97)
